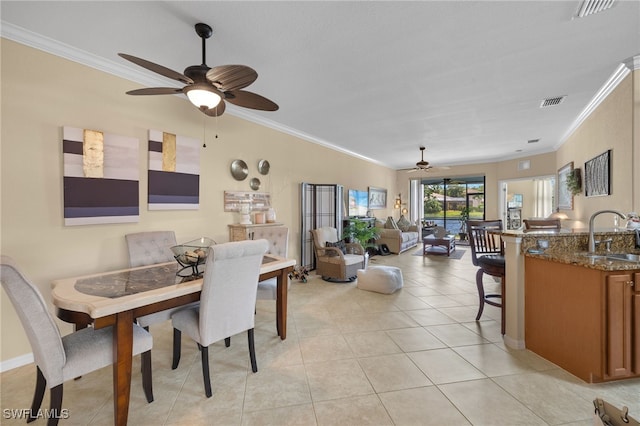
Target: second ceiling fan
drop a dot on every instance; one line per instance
(422, 164)
(208, 88)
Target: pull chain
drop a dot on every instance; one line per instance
(204, 131)
(217, 125)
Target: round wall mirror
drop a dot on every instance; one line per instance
(239, 170)
(254, 184)
(263, 167)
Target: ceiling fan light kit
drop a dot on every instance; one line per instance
(207, 88)
(203, 95)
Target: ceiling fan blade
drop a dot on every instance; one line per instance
(232, 77)
(217, 111)
(250, 100)
(156, 91)
(157, 68)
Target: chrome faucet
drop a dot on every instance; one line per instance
(592, 241)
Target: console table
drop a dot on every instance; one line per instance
(240, 232)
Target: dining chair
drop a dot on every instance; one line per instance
(487, 253)
(59, 359)
(541, 224)
(148, 248)
(278, 239)
(227, 302)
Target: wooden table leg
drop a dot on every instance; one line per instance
(281, 304)
(122, 354)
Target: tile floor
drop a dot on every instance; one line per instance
(352, 357)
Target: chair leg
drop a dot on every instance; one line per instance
(227, 341)
(204, 354)
(177, 343)
(252, 351)
(141, 364)
(480, 286)
(147, 383)
(55, 408)
(503, 301)
(41, 384)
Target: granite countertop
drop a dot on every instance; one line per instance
(570, 247)
(580, 259)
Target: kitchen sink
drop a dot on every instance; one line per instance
(629, 257)
(626, 257)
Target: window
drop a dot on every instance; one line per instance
(446, 201)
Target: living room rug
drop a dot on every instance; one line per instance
(457, 254)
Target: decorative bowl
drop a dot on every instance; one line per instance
(192, 253)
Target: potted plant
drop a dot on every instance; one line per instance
(464, 217)
(360, 231)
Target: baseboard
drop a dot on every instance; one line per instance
(16, 362)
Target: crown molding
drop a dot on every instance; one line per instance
(54, 47)
(622, 71)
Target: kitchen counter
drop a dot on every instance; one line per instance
(564, 247)
(580, 259)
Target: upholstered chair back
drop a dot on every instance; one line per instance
(277, 236)
(148, 248)
(322, 235)
(228, 298)
(38, 323)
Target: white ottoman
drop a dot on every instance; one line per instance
(379, 278)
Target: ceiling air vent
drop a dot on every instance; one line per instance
(533, 141)
(549, 102)
(524, 165)
(589, 7)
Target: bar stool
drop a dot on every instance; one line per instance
(487, 253)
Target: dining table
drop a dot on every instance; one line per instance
(116, 298)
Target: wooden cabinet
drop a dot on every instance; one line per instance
(239, 232)
(586, 321)
(619, 326)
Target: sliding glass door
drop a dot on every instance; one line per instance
(449, 202)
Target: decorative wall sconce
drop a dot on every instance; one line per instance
(398, 205)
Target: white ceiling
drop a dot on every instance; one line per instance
(378, 79)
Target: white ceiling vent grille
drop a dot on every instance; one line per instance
(549, 102)
(589, 7)
(524, 165)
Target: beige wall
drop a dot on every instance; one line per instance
(41, 93)
(610, 126)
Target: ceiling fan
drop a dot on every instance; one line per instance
(208, 88)
(420, 165)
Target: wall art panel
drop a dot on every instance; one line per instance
(101, 177)
(174, 172)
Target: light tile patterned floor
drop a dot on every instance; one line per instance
(352, 357)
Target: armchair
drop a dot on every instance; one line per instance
(331, 262)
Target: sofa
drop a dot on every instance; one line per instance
(398, 236)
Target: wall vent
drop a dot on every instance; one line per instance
(589, 7)
(549, 102)
(524, 165)
(533, 141)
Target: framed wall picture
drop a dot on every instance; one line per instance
(565, 197)
(377, 198)
(597, 175)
